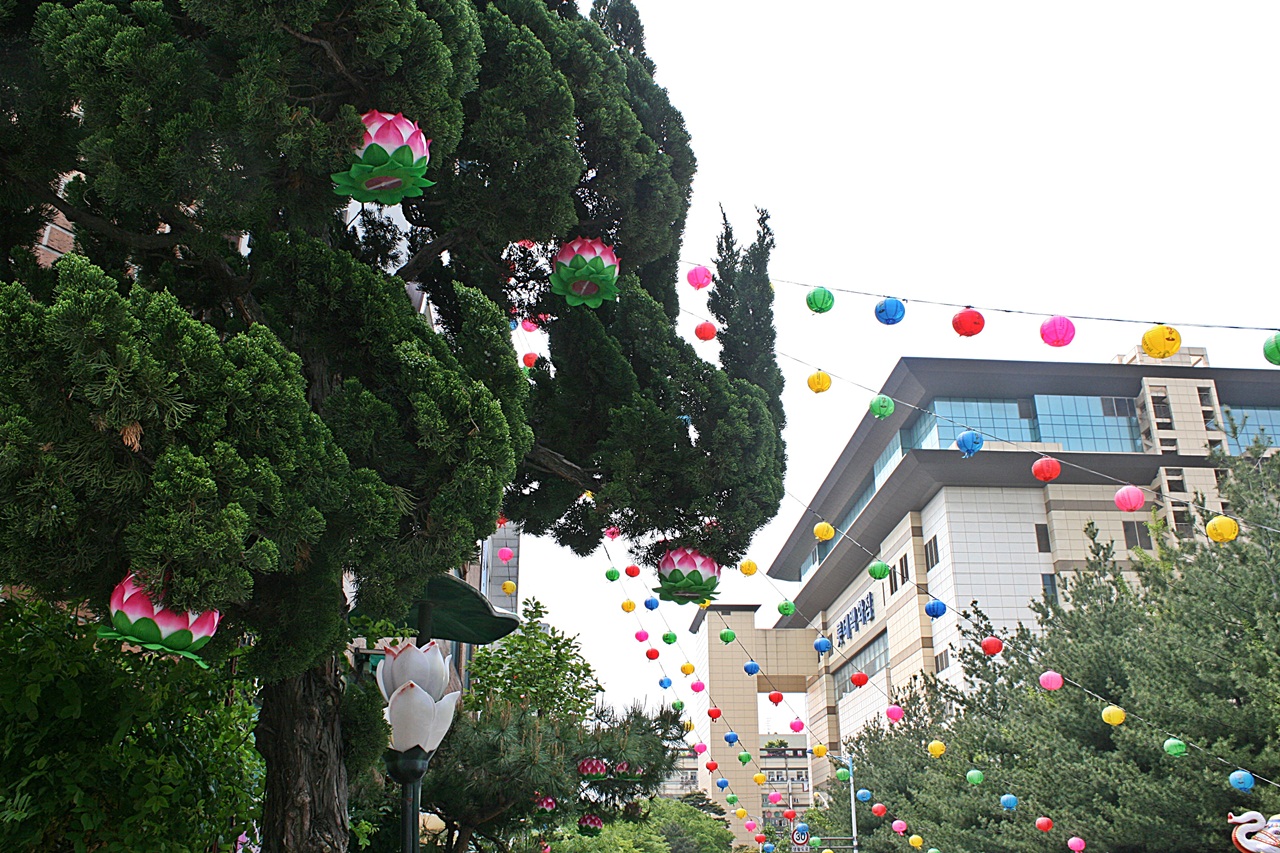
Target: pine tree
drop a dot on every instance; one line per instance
(240, 428)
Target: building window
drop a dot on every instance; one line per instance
(1220, 476)
(1049, 586)
(931, 553)
(904, 570)
(1136, 535)
(1042, 539)
(1118, 407)
(1175, 479)
(1215, 445)
(1182, 524)
(1206, 397)
(1168, 445)
(893, 581)
(1209, 422)
(942, 660)
(871, 658)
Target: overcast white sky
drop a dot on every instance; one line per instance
(1106, 158)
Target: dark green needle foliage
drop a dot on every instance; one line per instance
(226, 391)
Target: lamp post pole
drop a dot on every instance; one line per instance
(408, 768)
(847, 761)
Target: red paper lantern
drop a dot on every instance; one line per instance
(713, 713)
(761, 838)
(879, 810)
(632, 571)
(968, 323)
(1046, 468)
(705, 331)
(529, 359)
(859, 679)
(712, 766)
(789, 814)
(992, 646)
(1044, 824)
(775, 697)
(651, 654)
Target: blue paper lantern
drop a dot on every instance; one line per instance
(890, 311)
(513, 325)
(730, 737)
(664, 682)
(685, 419)
(722, 784)
(651, 603)
(1009, 802)
(801, 828)
(1241, 780)
(751, 667)
(969, 443)
(767, 848)
(864, 796)
(822, 645)
(935, 608)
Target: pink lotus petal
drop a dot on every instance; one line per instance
(419, 144)
(388, 137)
(137, 606)
(170, 621)
(117, 594)
(204, 624)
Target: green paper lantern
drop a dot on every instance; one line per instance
(879, 570)
(732, 799)
(815, 841)
(820, 300)
(744, 756)
(677, 706)
(974, 777)
(842, 774)
(612, 574)
(669, 637)
(881, 406)
(786, 608)
(1271, 349)
(1175, 747)
(727, 636)
(390, 162)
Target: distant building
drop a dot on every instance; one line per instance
(683, 778)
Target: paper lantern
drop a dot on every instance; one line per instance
(789, 814)
(916, 841)
(1241, 780)
(1044, 824)
(822, 645)
(879, 810)
(669, 637)
(775, 797)
(1008, 802)
(586, 273)
(1161, 341)
(894, 713)
(937, 748)
(750, 825)
(775, 697)
(1057, 331)
(879, 570)
(823, 532)
(642, 635)
(934, 608)
(697, 747)
(819, 382)
(1271, 349)
(632, 571)
(968, 443)
(1113, 715)
(528, 325)
(761, 838)
(1222, 528)
(992, 646)
(529, 359)
(705, 331)
(758, 778)
(786, 608)
(697, 687)
(1075, 843)
(744, 757)
(590, 825)
(1046, 469)
(699, 277)
(628, 606)
(899, 826)
(820, 300)
(767, 847)
(509, 587)
(797, 725)
(664, 682)
(685, 575)
(612, 574)
(593, 768)
(842, 774)
(714, 713)
(974, 777)
(1051, 680)
(863, 795)
(677, 705)
(1175, 747)
(651, 654)
(651, 603)
(1130, 498)
(730, 738)
(686, 668)
(802, 828)
(612, 533)
(740, 813)
(505, 554)
(968, 323)
(859, 679)
(820, 750)
(137, 620)
(881, 406)
(722, 783)
(890, 311)
(391, 161)
(751, 667)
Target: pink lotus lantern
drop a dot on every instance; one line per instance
(1057, 331)
(1130, 498)
(894, 713)
(593, 768)
(586, 272)
(391, 161)
(699, 277)
(590, 825)
(547, 804)
(684, 575)
(899, 826)
(1051, 680)
(505, 554)
(136, 619)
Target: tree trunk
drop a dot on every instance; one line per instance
(299, 733)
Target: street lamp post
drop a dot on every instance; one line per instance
(847, 761)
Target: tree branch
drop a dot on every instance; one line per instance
(100, 225)
(415, 266)
(542, 458)
(329, 51)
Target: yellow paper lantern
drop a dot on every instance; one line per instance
(819, 382)
(686, 668)
(740, 813)
(704, 603)
(628, 606)
(508, 587)
(1113, 715)
(936, 748)
(748, 567)
(1161, 341)
(823, 532)
(688, 725)
(915, 841)
(759, 778)
(1222, 529)
(820, 750)
(828, 850)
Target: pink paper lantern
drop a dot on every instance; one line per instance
(775, 797)
(1057, 331)
(529, 325)
(699, 748)
(797, 725)
(899, 826)
(612, 533)
(894, 713)
(642, 635)
(505, 554)
(699, 277)
(1076, 843)
(697, 687)
(750, 825)
(1051, 680)
(1130, 498)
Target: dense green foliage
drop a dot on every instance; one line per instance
(106, 750)
(1188, 646)
(668, 826)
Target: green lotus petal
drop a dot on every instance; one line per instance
(122, 623)
(596, 264)
(198, 644)
(675, 576)
(106, 633)
(146, 630)
(404, 156)
(375, 155)
(178, 640)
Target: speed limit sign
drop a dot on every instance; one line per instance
(800, 837)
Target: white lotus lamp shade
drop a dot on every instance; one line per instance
(425, 666)
(417, 719)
